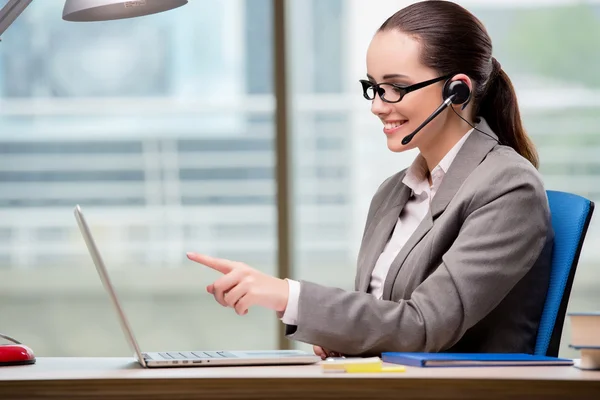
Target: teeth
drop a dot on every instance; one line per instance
(393, 125)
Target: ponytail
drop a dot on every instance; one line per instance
(432, 23)
(500, 109)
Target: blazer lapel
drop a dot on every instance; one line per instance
(379, 231)
(474, 150)
(415, 238)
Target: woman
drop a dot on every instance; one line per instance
(456, 249)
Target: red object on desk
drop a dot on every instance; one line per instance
(15, 354)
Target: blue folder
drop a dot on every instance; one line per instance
(471, 359)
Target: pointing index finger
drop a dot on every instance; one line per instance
(218, 264)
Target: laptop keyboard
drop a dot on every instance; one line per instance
(194, 355)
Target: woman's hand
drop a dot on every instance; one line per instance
(242, 287)
(324, 353)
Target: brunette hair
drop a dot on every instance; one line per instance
(454, 41)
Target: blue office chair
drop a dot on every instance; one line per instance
(571, 215)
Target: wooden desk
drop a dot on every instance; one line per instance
(122, 378)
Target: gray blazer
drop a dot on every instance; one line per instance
(472, 278)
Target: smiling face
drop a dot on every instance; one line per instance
(394, 57)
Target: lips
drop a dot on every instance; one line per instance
(390, 127)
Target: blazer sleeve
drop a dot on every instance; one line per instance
(503, 234)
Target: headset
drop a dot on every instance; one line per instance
(455, 92)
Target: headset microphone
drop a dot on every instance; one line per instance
(441, 108)
(454, 92)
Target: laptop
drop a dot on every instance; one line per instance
(196, 358)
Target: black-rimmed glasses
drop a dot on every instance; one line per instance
(393, 92)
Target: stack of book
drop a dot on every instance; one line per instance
(585, 337)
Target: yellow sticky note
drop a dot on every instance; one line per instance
(340, 364)
(366, 368)
(358, 365)
(359, 368)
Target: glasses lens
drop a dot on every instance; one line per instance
(390, 93)
(368, 90)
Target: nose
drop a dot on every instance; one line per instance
(380, 107)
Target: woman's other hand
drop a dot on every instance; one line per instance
(324, 353)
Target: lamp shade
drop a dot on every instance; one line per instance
(104, 10)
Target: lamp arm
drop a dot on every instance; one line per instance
(10, 12)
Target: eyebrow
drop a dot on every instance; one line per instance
(389, 76)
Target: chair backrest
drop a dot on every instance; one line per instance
(571, 215)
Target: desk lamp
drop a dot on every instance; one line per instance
(76, 11)
(93, 10)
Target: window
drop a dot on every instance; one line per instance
(161, 128)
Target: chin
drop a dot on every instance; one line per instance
(395, 136)
(395, 144)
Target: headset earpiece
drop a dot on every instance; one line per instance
(460, 90)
